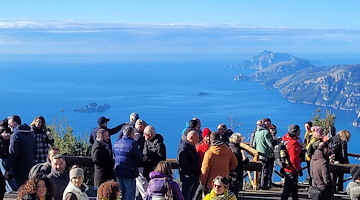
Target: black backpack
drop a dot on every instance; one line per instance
(281, 155)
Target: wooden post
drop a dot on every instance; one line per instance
(256, 173)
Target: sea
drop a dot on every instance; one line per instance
(164, 93)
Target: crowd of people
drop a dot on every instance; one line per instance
(134, 166)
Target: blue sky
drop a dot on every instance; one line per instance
(285, 13)
(179, 27)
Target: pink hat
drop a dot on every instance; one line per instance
(318, 131)
(205, 132)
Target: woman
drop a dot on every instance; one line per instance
(219, 190)
(204, 144)
(340, 153)
(76, 189)
(43, 139)
(109, 190)
(36, 188)
(160, 178)
(237, 175)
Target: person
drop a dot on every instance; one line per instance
(44, 168)
(315, 139)
(193, 124)
(189, 165)
(43, 139)
(76, 189)
(161, 176)
(262, 143)
(59, 176)
(293, 170)
(127, 159)
(220, 190)
(132, 120)
(340, 154)
(320, 171)
(154, 149)
(102, 158)
(252, 136)
(4, 153)
(307, 138)
(38, 187)
(236, 181)
(218, 161)
(353, 187)
(141, 182)
(224, 132)
(21, 150)
(109, 190)
(103, 123)
(204, 145)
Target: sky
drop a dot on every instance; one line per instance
(274, 13)
(179, 27)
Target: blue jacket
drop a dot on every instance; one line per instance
(127, 158)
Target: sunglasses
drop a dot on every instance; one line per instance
(217, 186)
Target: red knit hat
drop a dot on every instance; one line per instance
(205, 132)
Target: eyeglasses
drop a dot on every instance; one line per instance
(217, 186)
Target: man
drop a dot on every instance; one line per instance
(219, 160)
(141, 182)
(258, 123)
(353, 187)
(21, 150)
(103, 123)
(189, 165)
(154, 149)
(59, 176)
(193, 124)
(127, 158)
(44, 168)
(293, 170)
(224, 133)
(132, 119)
(102, 158)
(320, 171)
(262, 143)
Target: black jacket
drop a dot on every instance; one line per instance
(340, 150)
(21, 157)
(189, 162)
(111, 132)
(236, 149)
(156, 151)
(103, 161)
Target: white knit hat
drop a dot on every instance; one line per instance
(76, 172)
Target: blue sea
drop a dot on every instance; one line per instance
(164, 93)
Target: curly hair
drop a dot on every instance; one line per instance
(30, 187)
(108, 190)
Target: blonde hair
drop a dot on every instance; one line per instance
(235, 137)
(344, 135)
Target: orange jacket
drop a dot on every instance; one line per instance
(218, 161)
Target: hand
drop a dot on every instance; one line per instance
(6, 175)
(300, 173)
(6, 136)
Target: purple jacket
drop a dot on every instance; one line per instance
(173, 185)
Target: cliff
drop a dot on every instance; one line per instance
(300, 81)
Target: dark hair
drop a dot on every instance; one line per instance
(30, 187)
(15, 118)
(100, 132)
(214, 136)
(107, 190)
(223, 180)
(310, 123)
(43, 125)
(193, 123)
(266, 120)
(53, 149)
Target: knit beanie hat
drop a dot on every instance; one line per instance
(317, 131)
(205, 132)
(75, 172)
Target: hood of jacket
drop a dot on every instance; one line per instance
(219, 149)
(287, 137)
(156, 174)
(318, 155)
(157, 139)
(24, 128)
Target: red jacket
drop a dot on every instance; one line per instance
(293, 148)
(201, 149)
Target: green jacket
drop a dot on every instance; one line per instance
(262, 142)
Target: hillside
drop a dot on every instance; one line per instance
(299, 81)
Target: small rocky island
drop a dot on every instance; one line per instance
(93, 107)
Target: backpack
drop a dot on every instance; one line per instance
(310, 148)
(281, 154)
(159, 189)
